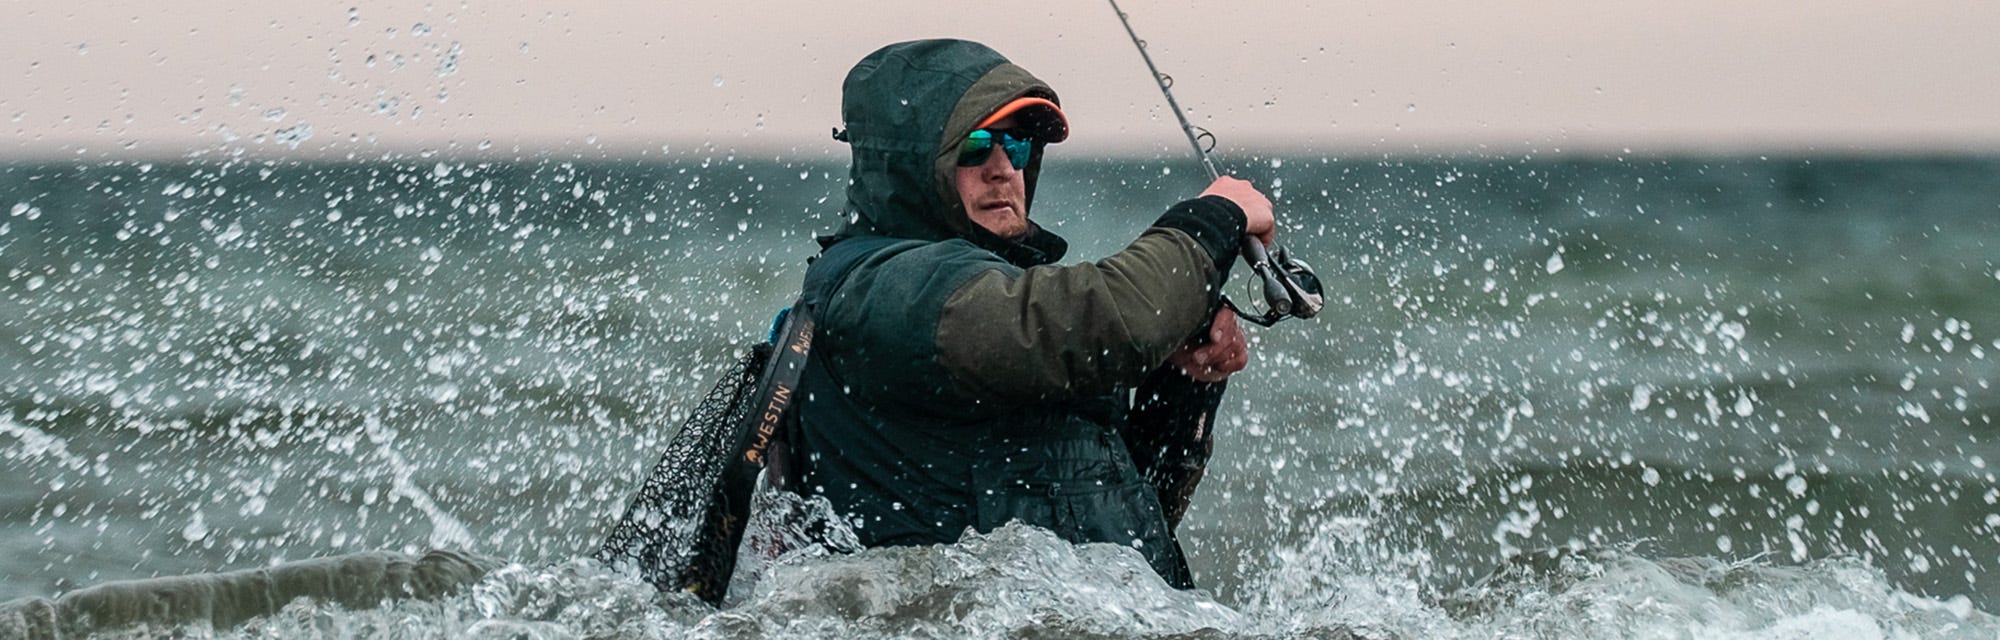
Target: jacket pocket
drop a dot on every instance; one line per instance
(1125, 515)
(999, 506)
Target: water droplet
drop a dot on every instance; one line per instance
(1642, 397)
(718, 81)
(293, 135)
(196, 529)
(353, 16)
(231, 234)
(448, 63)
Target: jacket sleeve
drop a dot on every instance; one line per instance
(1022, 335)
(1171, 436)
(949, 332)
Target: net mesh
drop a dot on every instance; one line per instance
(679, 533)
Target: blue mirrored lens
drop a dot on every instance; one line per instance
(978, 144)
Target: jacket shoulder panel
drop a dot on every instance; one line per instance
(879, 326)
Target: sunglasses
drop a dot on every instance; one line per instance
(979, 144)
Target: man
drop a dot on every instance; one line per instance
(960, 379)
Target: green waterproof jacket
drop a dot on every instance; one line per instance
(959, 380)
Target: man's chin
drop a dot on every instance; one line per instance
(1015, 229)
(1011, 228)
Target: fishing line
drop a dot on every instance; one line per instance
(1291, 289)
(1166, 82)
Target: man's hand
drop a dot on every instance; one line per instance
(1256, 208)
(1227, 351)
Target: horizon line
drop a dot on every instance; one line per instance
(1167, 150)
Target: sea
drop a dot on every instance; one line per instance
(1555, 396)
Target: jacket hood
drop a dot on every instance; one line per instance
(905, 107)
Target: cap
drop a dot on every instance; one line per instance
(1040, 115)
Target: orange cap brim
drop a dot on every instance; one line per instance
(1054, 129)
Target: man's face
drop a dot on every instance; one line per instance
(995, 193)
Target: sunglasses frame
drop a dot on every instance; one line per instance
(1007, 140)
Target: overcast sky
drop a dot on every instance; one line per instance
(98, 78)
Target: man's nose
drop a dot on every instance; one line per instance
(997, 166)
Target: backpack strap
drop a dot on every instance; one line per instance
(791, 341)
(760, 442)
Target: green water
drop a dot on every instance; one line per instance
(214, 366)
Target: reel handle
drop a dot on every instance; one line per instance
(1276, 294)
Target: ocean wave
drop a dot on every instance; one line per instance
(1019, 582)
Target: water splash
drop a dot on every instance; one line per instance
(447, 532)
(1021, 581)
(31, 444)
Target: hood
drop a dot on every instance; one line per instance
(905, 107)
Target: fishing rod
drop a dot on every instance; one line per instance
(1291, 289)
